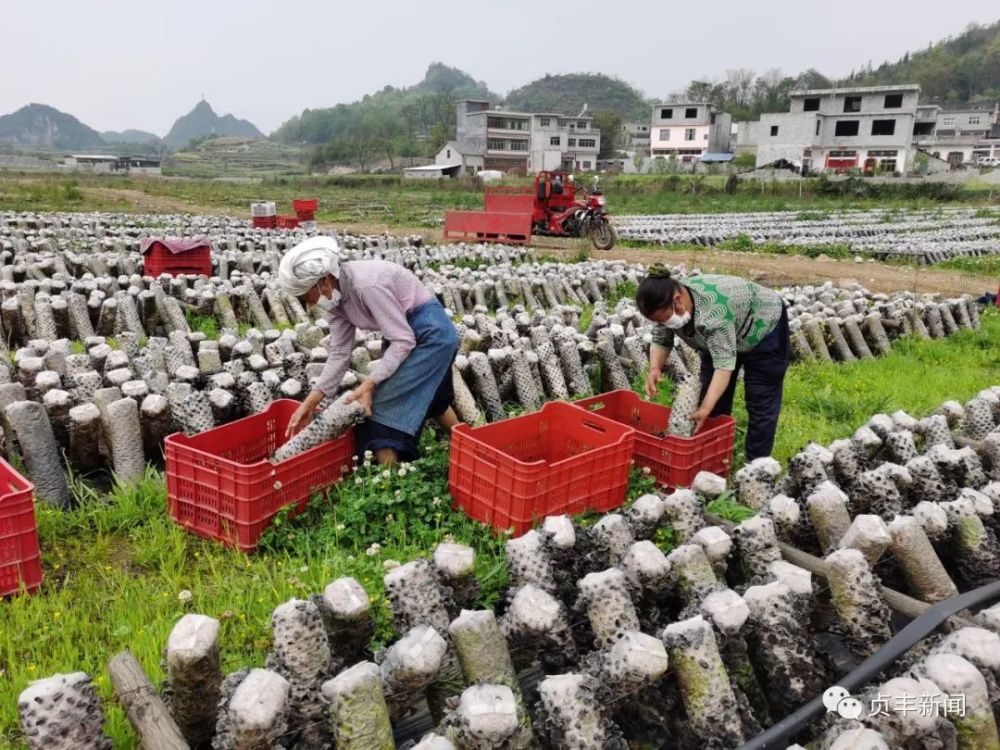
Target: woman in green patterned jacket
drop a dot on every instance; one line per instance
(734, 324)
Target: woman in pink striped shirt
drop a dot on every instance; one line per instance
(411, 382)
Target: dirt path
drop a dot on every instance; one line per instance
(772, 270)
(142, 201)
(780, 270)
(775, 270)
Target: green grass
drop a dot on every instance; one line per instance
(206, 324)
(824, 402)
(988, 265)
(624, 290)
(115, 567)
(391, 201)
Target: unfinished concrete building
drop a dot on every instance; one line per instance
(867, 128)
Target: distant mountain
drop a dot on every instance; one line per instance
(444, 79)
(202, 121)
(416, 110)
(566, 94)
(41, 126)
(137, 137)
(957, 70)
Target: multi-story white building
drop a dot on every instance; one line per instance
(868, 128)
(523, 142)
(960, 137)
(688, 130)
(560, 142)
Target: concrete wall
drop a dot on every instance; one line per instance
(471, 132)
(720, 134)
(872, 101)
(809, 137)
(901, 138)
(966, 121)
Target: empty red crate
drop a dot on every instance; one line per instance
(305, 205)
(265, 222)
(287, 222)
(557, 460)
(158, 259)
(221, 485)
(674, 461)
(20, 557)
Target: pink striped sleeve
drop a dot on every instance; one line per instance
(339, 347)
(386, 310)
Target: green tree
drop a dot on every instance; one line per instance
(610, 125)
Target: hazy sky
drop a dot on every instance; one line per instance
(119, 64)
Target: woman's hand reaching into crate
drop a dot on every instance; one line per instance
(304, 414)
(363, 394)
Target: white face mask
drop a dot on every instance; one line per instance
(677, 320)
(329, 302)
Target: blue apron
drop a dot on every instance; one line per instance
(419, 388)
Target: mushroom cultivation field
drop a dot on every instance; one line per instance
(921, 236)
(680, 621)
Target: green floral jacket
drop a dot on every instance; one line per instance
(731, 316)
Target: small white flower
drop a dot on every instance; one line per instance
(646, 470)
(390, 518)
(401, 472)
(184, 596)
(390, 564)
(397, 493)
(357, 480)
(304, 569)
(340, 527)
(369, 455)
(373, 550)
(386, 474)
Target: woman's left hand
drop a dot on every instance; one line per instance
(363, 394)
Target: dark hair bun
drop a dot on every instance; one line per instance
(658, 271)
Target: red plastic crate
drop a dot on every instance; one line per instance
(305, 216)
(221, 485)
(305, 205)
(158, 260)
(674, 461)
(20, 557)
(287, 222)
(265, 222)
(557, 460)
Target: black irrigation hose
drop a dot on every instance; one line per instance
(865, 672)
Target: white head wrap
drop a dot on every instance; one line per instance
(308, 262)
